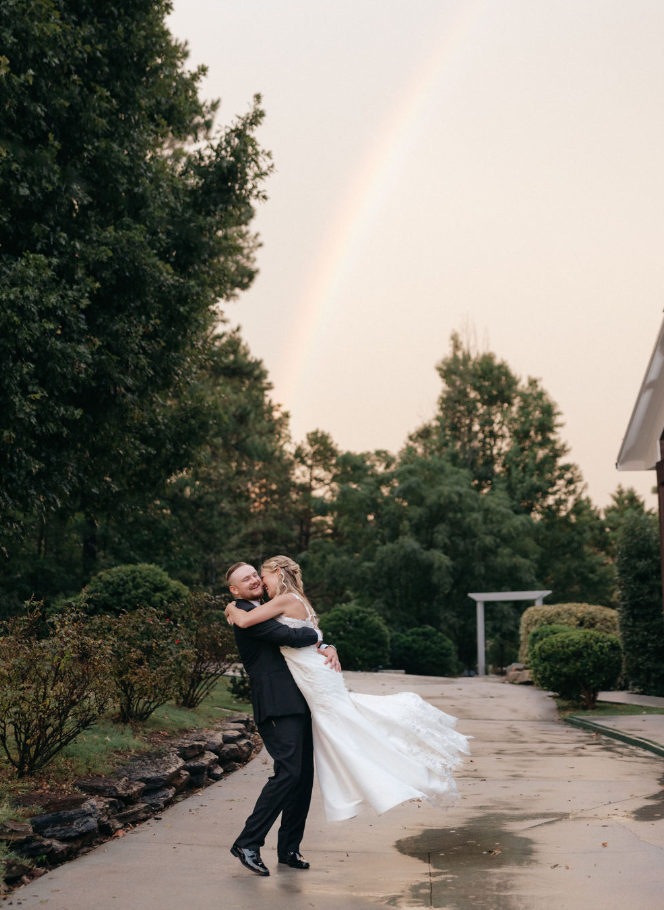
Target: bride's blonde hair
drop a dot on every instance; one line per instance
(290, 576)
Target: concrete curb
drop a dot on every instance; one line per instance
(628, 738)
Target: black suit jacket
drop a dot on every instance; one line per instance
(273, 689)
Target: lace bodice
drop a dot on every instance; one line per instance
(310, 622)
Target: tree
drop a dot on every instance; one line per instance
(315, 469)
(640, 603)
(503, 431)
(117, 240)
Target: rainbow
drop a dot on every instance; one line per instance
(363, 200)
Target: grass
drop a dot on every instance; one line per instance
(102, 748)
(603, 709)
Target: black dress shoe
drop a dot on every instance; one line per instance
(251, 859)
(294, 860)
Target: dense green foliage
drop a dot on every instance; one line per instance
(640, 604)
(137, 428)
(53, 685)
(577, 664)
(118, 237)
(574, 615)
(542, 632)
(360, 636)
(124, 588)
(424, 651)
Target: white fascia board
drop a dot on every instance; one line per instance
(640, 447)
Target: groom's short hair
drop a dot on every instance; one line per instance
(236, 565)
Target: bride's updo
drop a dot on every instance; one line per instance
(290, 575)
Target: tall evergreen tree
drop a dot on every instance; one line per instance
(118, 237)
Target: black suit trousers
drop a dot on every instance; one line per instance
(289, 741)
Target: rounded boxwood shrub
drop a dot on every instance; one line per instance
(424, 651)
(360, 636)
(576, 616)
(123, 588)
(577, 664)
(542, 632)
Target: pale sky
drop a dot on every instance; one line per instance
(495, 165)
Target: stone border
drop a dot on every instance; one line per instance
(628, 738)
(139, 790)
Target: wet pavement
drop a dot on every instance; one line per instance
(550, 816)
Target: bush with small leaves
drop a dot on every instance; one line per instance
(124, 588)
(213, 643)
(360, 636)
(53, 685)
(542, 632)
(577, 664)
(424, 651)
(151, 658)
(576, 616)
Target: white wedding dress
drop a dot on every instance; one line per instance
(376, 750)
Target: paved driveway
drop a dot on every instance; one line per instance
(550, 817)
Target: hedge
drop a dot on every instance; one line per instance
(576, 616)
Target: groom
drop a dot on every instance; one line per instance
(284, 723)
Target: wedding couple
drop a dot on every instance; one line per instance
(376, 750)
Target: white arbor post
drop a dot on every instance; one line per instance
(481, 646)
(481, 599)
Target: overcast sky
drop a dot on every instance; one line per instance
(490, 166)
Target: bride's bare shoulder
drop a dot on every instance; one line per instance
(289, 605)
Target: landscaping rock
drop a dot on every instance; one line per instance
(246, 747)
(157, 771)
(14, 869)
(103, 807)
(12, 832)
(201, 763)
(159, 799)
(231, 766)
(229, 752)
(215, 772)
(115, 788)
(199, 780)
(137, 813)
(37, 846)
(109, 826)
(64, 803)
(191, 748)
(214, 741)
(42, 823)
(84, 827)
(181, 780)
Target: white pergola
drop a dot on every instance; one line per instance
(481, 599)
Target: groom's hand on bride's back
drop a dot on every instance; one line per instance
(329, 652)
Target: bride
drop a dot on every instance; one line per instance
(378, 750)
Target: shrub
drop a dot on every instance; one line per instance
(124, 588)
(240, 687)
(213, 643)
(542, 632)
(151, 658)
(52, 686)
(577, 664)
(576, 616)
(424, 651)
(640, 604)
(360, 636)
